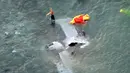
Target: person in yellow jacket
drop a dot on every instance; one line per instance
(80, 20)
(125, 11)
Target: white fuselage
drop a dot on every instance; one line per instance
(70, 43)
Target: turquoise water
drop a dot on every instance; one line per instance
(24, 28)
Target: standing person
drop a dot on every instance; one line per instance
(80, 21)
(51, 13)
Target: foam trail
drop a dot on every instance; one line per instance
(62, 69)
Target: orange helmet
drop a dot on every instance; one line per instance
(86, 17)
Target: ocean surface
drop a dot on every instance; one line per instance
(25, 30)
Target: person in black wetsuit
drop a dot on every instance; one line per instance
(51, 13)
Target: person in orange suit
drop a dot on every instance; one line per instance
(51, 13)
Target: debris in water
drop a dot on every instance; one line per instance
(6, 33)
(14, 51)
(16, 32)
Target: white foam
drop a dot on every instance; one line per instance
(6, 33)
(16, 32)
(62, 69)
(14, 51)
